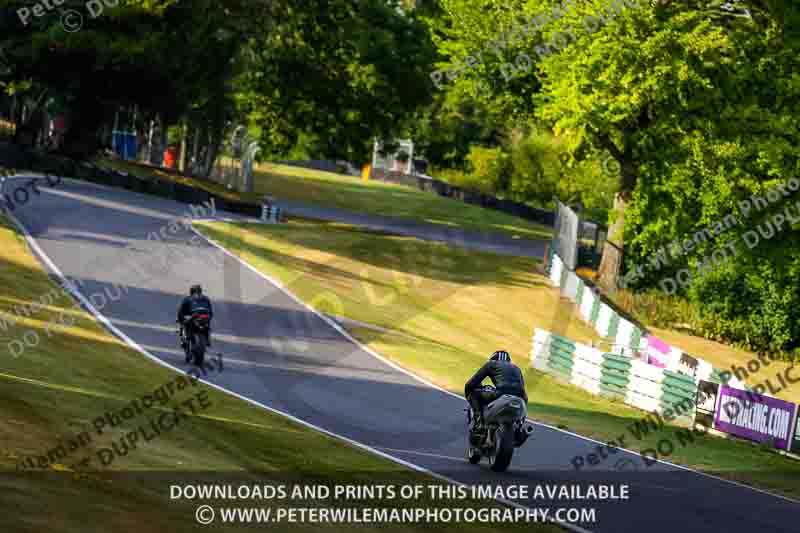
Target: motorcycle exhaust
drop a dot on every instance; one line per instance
(522, 434)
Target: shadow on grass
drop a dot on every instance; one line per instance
(405, 255)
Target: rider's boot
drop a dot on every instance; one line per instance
(477, 424)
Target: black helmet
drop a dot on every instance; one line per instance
(501, 355)
(196, 289)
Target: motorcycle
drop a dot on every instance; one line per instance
(194, 345)
(505, 428)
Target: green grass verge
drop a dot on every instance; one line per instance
(53, 391)
(328, 189)
(447, 309)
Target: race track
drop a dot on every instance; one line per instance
(494, 242)
(278, 353)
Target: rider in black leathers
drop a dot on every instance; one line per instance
(196, 302)
(506, 377)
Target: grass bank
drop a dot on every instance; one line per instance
(76, 372)
(446, 309)
(327, 189)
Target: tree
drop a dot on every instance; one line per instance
(635, 86)
(164, 57)
(345, 72)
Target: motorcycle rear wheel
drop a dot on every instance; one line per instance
(503, 448)
(198, 350)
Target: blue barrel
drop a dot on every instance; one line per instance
(118, 143)
(130, 146)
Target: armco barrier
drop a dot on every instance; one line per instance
(165, 189)
(189, 195)
(161, 188)
(138, 185)
(628, 339)
(428, 184)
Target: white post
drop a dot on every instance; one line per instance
(150, 142)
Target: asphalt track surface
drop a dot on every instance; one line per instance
(495, 242)
(282, 355)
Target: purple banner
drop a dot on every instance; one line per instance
(755, 417)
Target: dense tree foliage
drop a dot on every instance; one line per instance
(342, 71)
(695, 102)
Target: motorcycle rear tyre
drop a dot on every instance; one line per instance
(504, 448)
(198, 350)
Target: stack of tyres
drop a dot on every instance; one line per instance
(540, 349)
(579, 292)
(128, 181)
(595, 311)
(588, 300)
(118, 180)
(561, 357)
(587, 372)
(100, 176)
(628, 338)
(678, 394)
(644, 387)
(716, 377)
(605, 316)
(556, 271)
(616, 376)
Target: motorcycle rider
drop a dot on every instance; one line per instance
(507, 379)
(196, 302)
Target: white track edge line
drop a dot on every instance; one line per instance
(370, 351)
(107, 323)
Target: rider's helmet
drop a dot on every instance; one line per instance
(501, 355)
(196, 289)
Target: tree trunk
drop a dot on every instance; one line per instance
(613, 249)
(29, 129)
(184, 135)
(195, 150)
(86, 117)
(213, 150)
(611, 262)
